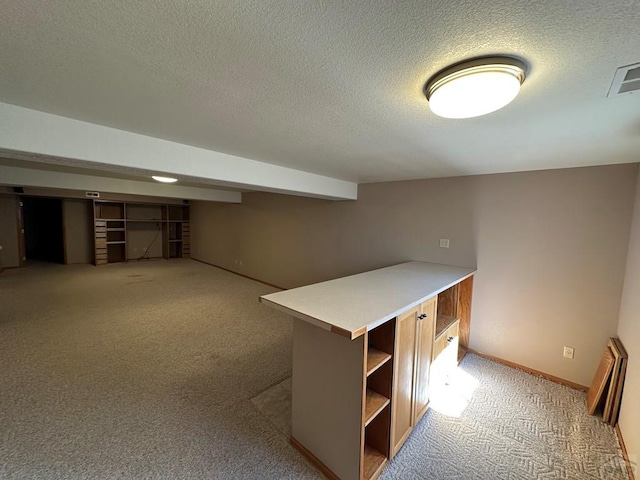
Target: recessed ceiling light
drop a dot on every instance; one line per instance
(164, 179)
(475, 87)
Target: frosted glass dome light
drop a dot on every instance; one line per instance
(158, 178)
(475, 87)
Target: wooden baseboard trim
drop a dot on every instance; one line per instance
(625, 455)
(326, 471)
(240, 274)
(532, 371)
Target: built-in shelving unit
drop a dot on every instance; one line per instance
(118, 224)
(376, 420)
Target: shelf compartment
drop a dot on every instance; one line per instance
(109, 211)
(375, 359)
(178, 213)
(374, 404)
(115, 236)
(116, 253)
(443, 322)
(374, 462)
(175, 249)
(175, 231)
(116, 242)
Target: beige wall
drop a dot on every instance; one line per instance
(143, 236)
(9, 256)
(78, 230)
(550, 247)
(629, 333)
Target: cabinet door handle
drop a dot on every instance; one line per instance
(422, 317)
(449, 339)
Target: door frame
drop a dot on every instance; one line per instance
(20, 222)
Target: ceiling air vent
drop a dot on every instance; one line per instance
(92, 194)
(626, 80)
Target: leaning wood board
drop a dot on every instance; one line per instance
(613, 384)
(620, 384)
(600, 380)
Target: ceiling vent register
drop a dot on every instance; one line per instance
(626, 80)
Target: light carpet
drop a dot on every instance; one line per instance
(140, 371)
(493, 422)
(147, 371)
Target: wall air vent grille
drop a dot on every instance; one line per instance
(626, 80)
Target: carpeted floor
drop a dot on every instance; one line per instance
(140, 370)
(147, 371)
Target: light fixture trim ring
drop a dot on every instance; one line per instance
(502, 64)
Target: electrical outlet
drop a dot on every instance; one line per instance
(444, 243)
(568, 352)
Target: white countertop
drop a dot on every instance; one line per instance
(358, 303)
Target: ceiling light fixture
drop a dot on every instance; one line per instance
(164, 179)
(475, 87)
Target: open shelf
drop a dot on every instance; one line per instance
(115, 224)
(374, 404)
(108, 210)
(443, 322)
(114, 236)
(375, 359)
(116, 252)
(178, 213)
(374, 461)
(116, 242)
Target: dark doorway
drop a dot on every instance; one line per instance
(43, 235)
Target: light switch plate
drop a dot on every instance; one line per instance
(444, 243)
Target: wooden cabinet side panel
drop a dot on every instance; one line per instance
(402, 401)
(327, 397)
(464, 310)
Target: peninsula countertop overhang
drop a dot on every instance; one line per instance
(352, 305)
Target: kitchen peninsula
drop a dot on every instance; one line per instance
(365, 349)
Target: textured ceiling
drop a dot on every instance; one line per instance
(333, 88)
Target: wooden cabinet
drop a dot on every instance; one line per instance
(425, 332)
(403, 375)
(414, 346)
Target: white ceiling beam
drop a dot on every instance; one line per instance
(25, 130)
(29, 177)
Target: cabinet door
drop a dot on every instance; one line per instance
(402, 401)
(425, 331)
